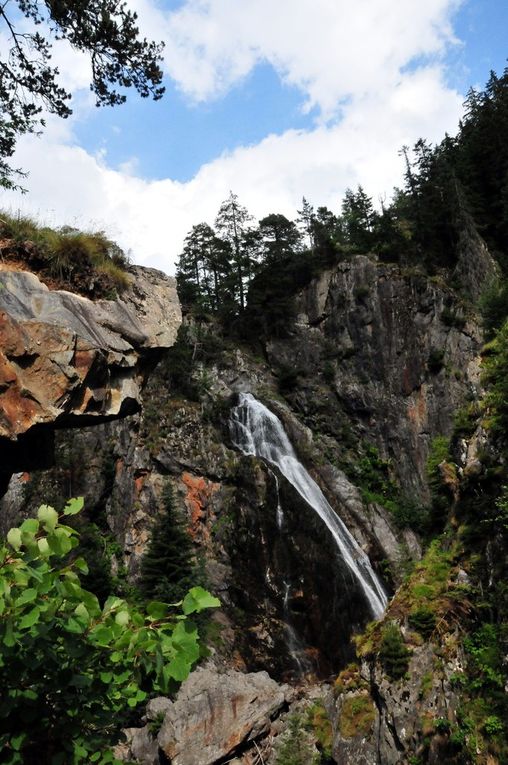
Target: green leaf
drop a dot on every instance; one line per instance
(48, 516)
(17, 741)
(31, 525)
(157, 610)
(178, 668)
(14, 538)
(44, 547)
(74, 506)
(102, 635)
(9, 639)
(82, 613)
(74, 626)
(27, 596)
(31, 618)
(113, 603)
(81, 565)
(122, 618)
(197, 599)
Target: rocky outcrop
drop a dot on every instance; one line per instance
(382, 357)
(476, 269)
(382, 721)
(399, 351)
(68, 361)
(213, 716)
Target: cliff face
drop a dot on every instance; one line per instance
(400, 354)
(66, 360)
(379, 357)
(372, 370)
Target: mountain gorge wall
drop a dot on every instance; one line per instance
(371, 371)
(400, 353)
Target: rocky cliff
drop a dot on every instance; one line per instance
(66, 360)
(367, 376)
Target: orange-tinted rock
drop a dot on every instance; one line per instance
(199, 493)
(64, 357)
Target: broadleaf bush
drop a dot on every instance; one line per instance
(71, 671)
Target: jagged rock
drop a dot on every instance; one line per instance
(67, 360)
(139, 746)
(215, 714)
(390, 718)
(381, 328)
(476, 269)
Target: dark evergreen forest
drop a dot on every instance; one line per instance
(239, 267)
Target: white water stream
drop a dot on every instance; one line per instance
(257, 431)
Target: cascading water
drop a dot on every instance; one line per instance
(256, 431)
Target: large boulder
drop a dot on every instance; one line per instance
(66, 360)
(215, 714)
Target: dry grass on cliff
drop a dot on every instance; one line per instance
(84, 262)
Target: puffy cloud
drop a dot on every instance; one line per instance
(152, 217)
(371, 69)
(330, 49)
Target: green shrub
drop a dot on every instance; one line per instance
(393, 653)
(296, 749)
(319, 723)
(493, 725)
(423, 620)
(494, 307)
(71, 671)
(496, 376)
(357, 715)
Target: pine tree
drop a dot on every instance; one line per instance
(306, 220)
(233, 223)
(357, 220)
(280, 237)
(168, 568)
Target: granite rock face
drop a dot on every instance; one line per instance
(66, 360)
(397, 715)
(400, 349)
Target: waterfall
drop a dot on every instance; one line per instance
(256, 431)
(296, 648)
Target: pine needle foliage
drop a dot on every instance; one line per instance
(168, 565)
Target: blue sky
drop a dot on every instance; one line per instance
(274, 100)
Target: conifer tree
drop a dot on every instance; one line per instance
(280, 237)
(233, 223)
(168, 567)
(306, 220)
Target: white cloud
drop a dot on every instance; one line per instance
(152, 217)
(330, 49)
(353, 60)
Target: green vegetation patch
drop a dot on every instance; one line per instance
(71, 670)
(318, 721)
(85, 262)
(357, 715)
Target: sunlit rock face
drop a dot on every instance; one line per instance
(66, 360)
(401, 352)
